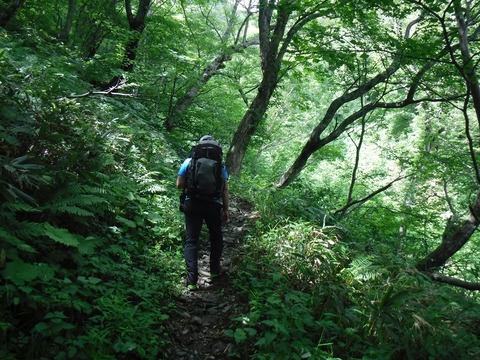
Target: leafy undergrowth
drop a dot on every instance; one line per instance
(310, 297)
(91, 252)
(89, 233)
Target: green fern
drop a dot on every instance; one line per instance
(14, 232)
(62, 236)
(364, 269)
(20, 234)
(78, 200)
(27, 230)
(16, 206)
(14, 241)
(71, 210)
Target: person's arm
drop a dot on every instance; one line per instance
(181, 182)
(225, 201)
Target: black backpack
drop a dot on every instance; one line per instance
(204, 175)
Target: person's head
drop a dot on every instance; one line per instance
(206, 138)
(209, 140)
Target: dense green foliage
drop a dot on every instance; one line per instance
(90, 235)
(90, 244)
(321, 292)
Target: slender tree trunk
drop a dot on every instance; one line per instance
(93, 42)
(187, 99)
(249, 125)
(469, 67)
(238, 44)
(137, 25)
(65, 33)
(9, 11)
(315, 143)
(274, 42)
(456, 233)
(355, 168)
(271, 52)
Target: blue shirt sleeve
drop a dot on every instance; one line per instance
(224, 172)
(183, 169)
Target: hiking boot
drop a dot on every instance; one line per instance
(215, 270)
(190, 286)
(216, 275)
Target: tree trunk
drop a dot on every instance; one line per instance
(65, 33)
(315, 143)
(271, 52)
(238, 44)
(248, 126)
(457, 234)
(454, 237)
(137, 25)
(8, 12)
(469, 67)
(187, 99)
(356, 165)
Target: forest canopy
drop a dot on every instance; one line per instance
(352, 127)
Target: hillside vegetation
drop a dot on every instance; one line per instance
(364, 248)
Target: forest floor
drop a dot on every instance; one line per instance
(198, 323)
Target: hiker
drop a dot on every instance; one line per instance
(203, 179)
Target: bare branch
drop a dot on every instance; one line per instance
(91, 93)
(474, 286)
(363, 200)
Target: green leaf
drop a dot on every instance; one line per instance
(94, 280)
(124, 346)
(126, 222)
(87, 246)
(13, 240)
(56, 315)
(250, 331)
(41, 327)
(62, 236)
(70, 209)
(46, 272)
(19, 272)
(240, 335)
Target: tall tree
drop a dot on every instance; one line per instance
(408, 80)
(8, 10)
(137, 25)
(65, 33)
(278, 23)
(374, 88)
(457, 233)
(232, 40)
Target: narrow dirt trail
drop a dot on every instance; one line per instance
(198, 323)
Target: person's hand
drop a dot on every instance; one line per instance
(225, 215)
